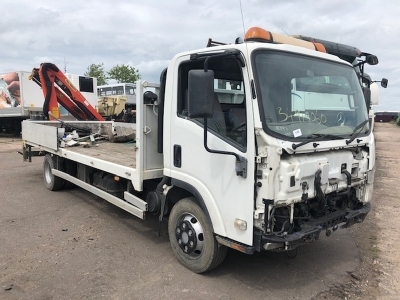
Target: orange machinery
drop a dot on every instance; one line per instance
(57, 89)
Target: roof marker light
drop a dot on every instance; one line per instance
(258, 34)
(319, 47)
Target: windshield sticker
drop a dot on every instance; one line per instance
(297, 132)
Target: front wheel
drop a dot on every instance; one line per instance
(192, 239)
(52, 183)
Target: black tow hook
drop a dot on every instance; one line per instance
(329, 232)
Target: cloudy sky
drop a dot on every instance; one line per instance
(147, 34)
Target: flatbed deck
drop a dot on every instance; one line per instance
(117, 153)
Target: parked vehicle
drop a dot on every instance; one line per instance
(386, 116)
(123, 98)
(246, 172)
(118, 89)
(20, 99)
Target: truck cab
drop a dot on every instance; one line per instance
(307, 167)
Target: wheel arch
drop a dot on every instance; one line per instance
(187, 190)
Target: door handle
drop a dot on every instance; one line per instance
(177, 156)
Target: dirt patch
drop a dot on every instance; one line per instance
(105, 271)
(378, 276)
(9, 143)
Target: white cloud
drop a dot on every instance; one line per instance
(147, 34)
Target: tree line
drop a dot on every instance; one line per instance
(121, 73)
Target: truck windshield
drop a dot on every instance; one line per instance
(301, 96)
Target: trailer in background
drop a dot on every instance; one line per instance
(21, 98)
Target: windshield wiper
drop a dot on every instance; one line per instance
(316, 137)
(356, 131)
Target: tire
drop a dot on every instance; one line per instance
(191, 237)
(52, 183)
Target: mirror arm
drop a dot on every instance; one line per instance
(227, 53)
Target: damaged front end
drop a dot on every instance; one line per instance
(308, 222)
(327, 203)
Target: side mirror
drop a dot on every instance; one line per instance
(201, 105)
(384, 82)
(149, 97)
(371, 60)
(201, 93)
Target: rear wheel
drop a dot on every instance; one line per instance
(52, 183)
(192, 239)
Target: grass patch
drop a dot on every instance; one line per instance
(374, 249)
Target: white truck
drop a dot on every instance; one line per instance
(248, 174)
(21, 98)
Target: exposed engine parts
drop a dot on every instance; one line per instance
(324, 210)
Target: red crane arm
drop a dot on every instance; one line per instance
(58, 89)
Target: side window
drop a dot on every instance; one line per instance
(229, 118)
(229, 91)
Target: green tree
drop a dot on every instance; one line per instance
(97, 70)
(123, 73)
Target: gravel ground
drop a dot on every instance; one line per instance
(84, 258)
(378, 276)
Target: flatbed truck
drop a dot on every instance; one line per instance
(251, 174)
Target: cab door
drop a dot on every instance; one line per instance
(226, 195)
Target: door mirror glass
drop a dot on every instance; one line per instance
(200, 93)
(384, 82)
(372, 60)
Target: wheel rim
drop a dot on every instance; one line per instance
(47, 173)
(189, 235)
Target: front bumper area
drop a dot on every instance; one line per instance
(310, 230)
